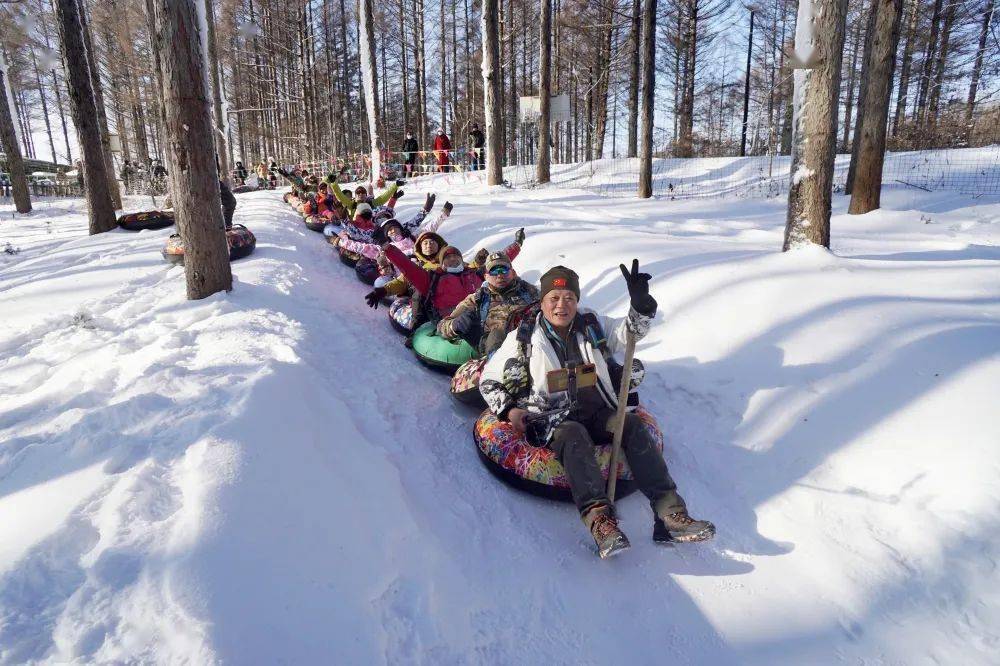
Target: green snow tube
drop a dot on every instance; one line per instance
(438, 353)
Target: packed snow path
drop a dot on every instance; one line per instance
(269, 476)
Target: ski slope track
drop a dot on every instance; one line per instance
(269, 476)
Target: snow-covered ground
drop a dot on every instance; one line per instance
(268, 476)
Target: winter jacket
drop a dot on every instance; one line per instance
(348, 202)
(516, 375)
(443, 290)
(227, 198)
(447, 293)
(477, 139)
(492, 307)
(442, 144)
(401, 285)
(327, 205)
(410, 150)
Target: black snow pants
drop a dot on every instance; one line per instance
(573, 444)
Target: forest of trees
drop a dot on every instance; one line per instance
(291, 78)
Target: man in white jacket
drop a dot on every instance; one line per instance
(515, 385)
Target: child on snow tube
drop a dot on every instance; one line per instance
(441, 290)
(374, 268)
(402, 312)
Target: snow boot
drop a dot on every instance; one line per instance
(608, 537)
(681, 528)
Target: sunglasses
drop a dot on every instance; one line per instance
(500, 270)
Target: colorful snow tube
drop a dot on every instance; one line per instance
(240, 239)
(348, 258)
(315, 223)
(401, 315)
(535, 469)
(366, 270)
(148, 219)
(439, 353)
(465, 383)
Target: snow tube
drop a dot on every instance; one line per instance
(535, 469)
(348, 258)
(149, 219)
(465, 383)
(401, 315)
(242, 189)
(240, 239)
(438, 353)
(315, 223)
(366, 270)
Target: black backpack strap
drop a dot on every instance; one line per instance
(594, 332)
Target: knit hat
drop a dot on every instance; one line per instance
(560, 277)
(362, 210)
(497, 259)
(447, 250)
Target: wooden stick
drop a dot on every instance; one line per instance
(616, 444)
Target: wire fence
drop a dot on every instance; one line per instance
(972, 171)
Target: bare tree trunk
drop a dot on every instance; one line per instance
(634, 46)
(45, 104)
(161, 114)
(102, 116)
(191, 153)
(648, 98)
(544, 90)
(221, 140)
(928, 64)
(935, 94)
(815, 125)
(871, 155)
(366, 50)
(8, 140)
(444, 73)
(978, 67)
(862, 99)
(603, 80)
(685, 146)
(404, 73)
(904, 71)
(492, 94)
(849, 106)
(59, 102)
(84, 107)
(422, 73)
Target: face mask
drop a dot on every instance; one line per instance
(455, 269)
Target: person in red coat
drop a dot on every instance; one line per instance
(446, 285)
(442, 148)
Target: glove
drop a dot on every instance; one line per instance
(429, 202)
(374, 296)
(638, 289)
(399, 194)
(481, 256)
(519, 236)
(400, 182)
(447, 208)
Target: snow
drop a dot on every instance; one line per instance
(269, 476)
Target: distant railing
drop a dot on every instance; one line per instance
(972, 171)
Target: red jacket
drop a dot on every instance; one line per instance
(442, 142)
(451, 288)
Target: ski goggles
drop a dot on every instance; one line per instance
(500, 270)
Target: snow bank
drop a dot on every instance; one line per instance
(270, 476)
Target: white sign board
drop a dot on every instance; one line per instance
(559, 111)
(114, 142)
